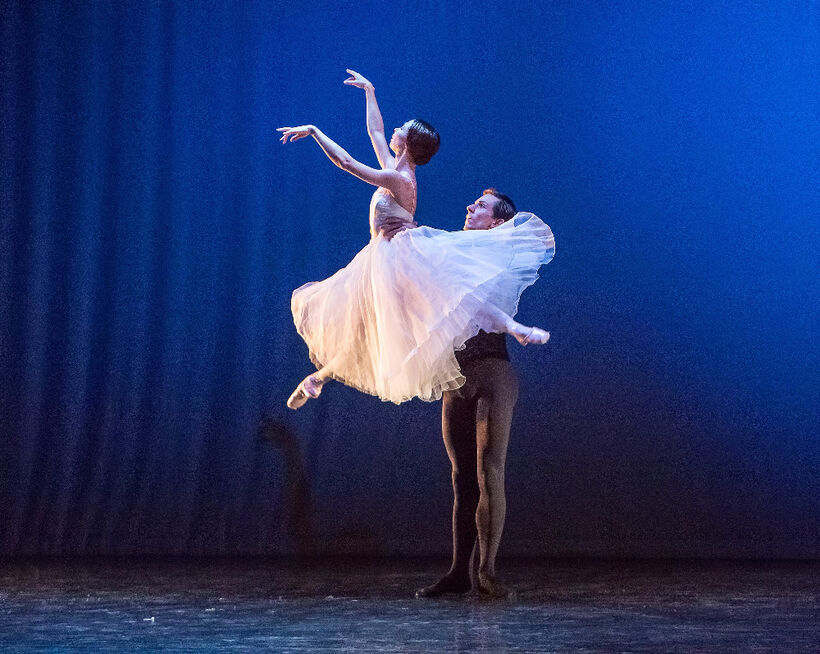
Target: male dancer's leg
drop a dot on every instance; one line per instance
(458, 430)
(494, 411)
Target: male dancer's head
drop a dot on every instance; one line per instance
(490, 210)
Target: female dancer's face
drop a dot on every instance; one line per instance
(399, 139)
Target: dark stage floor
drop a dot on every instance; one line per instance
(368, 606)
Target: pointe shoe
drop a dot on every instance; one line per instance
(308, 388)
(535, 336)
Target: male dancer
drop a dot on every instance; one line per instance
(475, 425)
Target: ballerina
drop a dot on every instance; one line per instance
(390, 321)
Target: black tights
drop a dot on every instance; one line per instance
(476, 421)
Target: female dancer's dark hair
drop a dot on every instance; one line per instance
(422, 141)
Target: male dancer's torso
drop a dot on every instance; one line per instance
(483, 346)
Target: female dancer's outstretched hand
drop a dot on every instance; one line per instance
(295, 133)
(357, 80)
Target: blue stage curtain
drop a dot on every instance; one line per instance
(153, 229)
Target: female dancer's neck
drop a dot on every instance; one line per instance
(404, 160)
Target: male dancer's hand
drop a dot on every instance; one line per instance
(389, 227)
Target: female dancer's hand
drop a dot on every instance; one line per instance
(357, 80)
(295, 133)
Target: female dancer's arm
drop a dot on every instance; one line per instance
(389, 178)
(375, 124)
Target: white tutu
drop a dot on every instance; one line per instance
(389, 322)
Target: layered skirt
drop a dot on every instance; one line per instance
(389, 322)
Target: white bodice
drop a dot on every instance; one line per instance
(384, 205)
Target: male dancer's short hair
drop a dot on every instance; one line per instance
(505, 207)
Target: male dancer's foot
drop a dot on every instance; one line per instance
(489, 587)
(530, 335)
(449, 583)
(309, 388)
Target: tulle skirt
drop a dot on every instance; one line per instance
(390, 321)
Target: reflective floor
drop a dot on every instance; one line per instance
(368, 606)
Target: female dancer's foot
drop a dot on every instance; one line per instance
(530, 335)
(309, 388)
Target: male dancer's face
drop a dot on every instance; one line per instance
(480, 213)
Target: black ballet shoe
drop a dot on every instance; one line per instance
(491, 589)
(447, 585)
